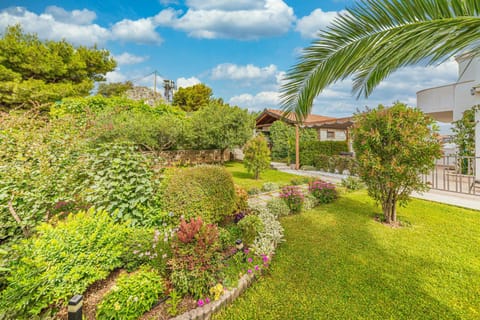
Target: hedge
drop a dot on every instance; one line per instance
(309, 150)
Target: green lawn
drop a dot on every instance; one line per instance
(338, 263)
(246, 180)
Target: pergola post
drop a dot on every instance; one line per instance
(297, 147)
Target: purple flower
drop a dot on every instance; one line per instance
(207, 300)
(200, 303)
(246, 251)
(265, 259)
(257, 268)
(249, 271)
(250, 260)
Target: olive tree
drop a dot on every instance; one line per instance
(394, 146)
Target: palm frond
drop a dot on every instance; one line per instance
(374, 39)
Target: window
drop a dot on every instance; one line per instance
(330, 134)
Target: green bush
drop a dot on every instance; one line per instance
(309, 150)
(300, 180)
(336, 164)
(278, 207)
(196, 260)
(310, 202)
(204, 191)
(325, 192)
(352, 184)
(61, 261)
(253, 191)
(133, 295)
(120, 180)
(257, 156)
(251, 226)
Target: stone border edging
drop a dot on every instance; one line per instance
(205, 312)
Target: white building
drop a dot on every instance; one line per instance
(447, 103)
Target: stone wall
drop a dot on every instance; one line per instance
(146, 94)
(192, 157)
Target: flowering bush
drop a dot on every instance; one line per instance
(294, 197)
(325, 192)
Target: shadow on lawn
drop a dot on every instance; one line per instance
(348, 273)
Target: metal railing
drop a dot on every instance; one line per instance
(455, 174)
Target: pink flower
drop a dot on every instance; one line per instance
(250, 260)
(246, 251)
(249, 271)
(200, 303)
(207, 300)
(257, 268)
(265, 259)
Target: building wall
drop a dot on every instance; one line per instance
(339, 135)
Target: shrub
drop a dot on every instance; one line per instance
(269, 186)
(251, 226)
(309, 150)
(257, 156)
(196, 258)
(293, 197)
(119, 179)
(338, 164)
(310, 202)
(241, 199)
(300, 180)
(271, 236)
(352, 183)
(228, 235)
(204, 191)
(325, 192)
(132, 296)
(253, 191)
(61, 261)
(147, 247)
(278, 207)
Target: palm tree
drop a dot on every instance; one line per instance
(377, 37)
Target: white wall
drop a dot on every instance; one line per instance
(339, 135)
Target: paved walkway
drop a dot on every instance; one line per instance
(451, 198)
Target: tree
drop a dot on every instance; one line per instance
(114, 89)
(377, 37)
(220, 126)
(193, 98)
(45, 71)
(464, 133)
(394, 146)
(257, 155)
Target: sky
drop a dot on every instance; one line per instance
(239, 48)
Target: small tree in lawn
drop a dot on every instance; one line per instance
(256, 155)
(394, 146)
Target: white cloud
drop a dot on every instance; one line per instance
(232, 71)
(243, 20)
(116, 76)
(260, 101)
(77, 26)
(318, 19)
(81, 17)
(227, 5)
(139, 31)
(128, 58)
(48, 27)
(187, 82)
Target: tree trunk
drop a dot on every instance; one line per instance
(389, 208)
(297, 148)
(257, 174)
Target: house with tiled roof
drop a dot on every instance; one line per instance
(328, 128)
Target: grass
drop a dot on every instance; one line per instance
(339, 263)
(246, 180)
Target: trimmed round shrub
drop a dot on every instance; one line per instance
(278, 207)
(204, 191)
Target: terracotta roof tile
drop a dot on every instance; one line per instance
(312, 118)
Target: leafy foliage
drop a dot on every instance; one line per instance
(114, 89)
(46, 71)
(282, 136)
(293, 197)
(196, 257)
(192, 98)
(119, 180)
(61, 261)
(39, 175)
(271, 235)
(394, 146)
(352, 184)
(310, 151)
(278, 207)
(377, 37)
(257, 156)
(132, 296)
(220, 126)
(269, 186)
(251, 226)
(204, 191)
(464, 133)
